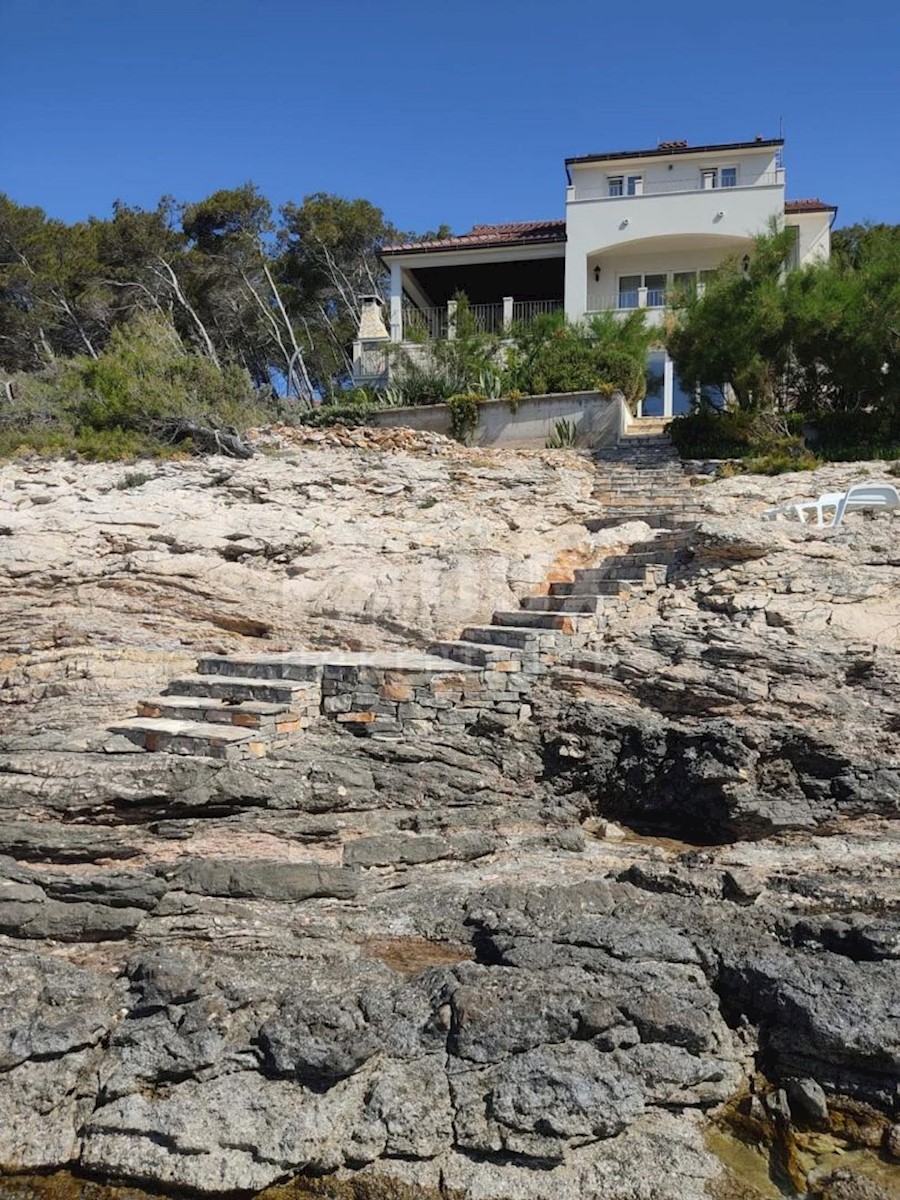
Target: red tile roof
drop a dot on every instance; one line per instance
(802, 206)
(513, 233)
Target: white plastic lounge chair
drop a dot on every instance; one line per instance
(799, 508)
(875, 496)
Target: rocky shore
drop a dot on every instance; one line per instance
(642, 945)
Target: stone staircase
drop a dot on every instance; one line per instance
(641, 478)
(537, 636)
(241, 706)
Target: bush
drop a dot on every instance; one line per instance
(605, 354)
(463, 415)
(124, 404)
(707, 432)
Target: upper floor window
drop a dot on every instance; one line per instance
(714, 177)
(635, 185)
(615, 185)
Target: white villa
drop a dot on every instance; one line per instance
(639, 225)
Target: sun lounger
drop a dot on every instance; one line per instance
(860, 496)
(873, 496)
(800, 508)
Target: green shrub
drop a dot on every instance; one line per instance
(134, 479)
(464, 415)
(124, 404)
(604, 354)
(564, 436)
(707, 432)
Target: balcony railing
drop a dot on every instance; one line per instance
(487, 318)
(527, 310)
(623, 301)
(424, 324)
(664, 187)
(433, 324)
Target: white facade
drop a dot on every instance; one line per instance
(639, 227)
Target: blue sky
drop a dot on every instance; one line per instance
(457, 112)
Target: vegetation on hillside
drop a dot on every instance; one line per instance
(125, 335)
(811, 355)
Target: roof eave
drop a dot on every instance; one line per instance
(673, 151)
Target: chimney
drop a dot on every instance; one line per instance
(371, 321)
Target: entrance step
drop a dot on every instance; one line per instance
(515, 637)
(475, 654)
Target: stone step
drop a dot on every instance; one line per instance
(587, 604)
(234, 687)
(616, 570)
(642, 558)
(191, 737)
(529, 618)
(263, 666)
(515, 637)
(657, 520)
(247, 714)
(473, 654)
(599, 587)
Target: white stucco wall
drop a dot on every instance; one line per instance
(611, 225)
(815, 235)
(670, 173)
(711, 223)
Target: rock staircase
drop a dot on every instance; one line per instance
(641, 478)
(240, 706)
(535, 638)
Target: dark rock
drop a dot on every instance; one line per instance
(263, 880)
(807, 1100)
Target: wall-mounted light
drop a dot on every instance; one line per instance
(720, 214)
(597, 274)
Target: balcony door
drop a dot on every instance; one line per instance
(666, 395)
(630, 290)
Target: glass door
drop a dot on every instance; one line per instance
(654, 402)
(656, 290)
(629, 286)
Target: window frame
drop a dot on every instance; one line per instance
(613, 182)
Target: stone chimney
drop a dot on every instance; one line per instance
(371, 320)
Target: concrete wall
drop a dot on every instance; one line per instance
(598, 419)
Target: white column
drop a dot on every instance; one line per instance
(396, 302)
(451, 320)
(507, 312)
(668, 387)
(642, 297)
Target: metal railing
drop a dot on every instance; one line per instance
(624, 301)
(433, 324)
(525, 311)
(487, 318)
(424, 324)
(664, 187)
